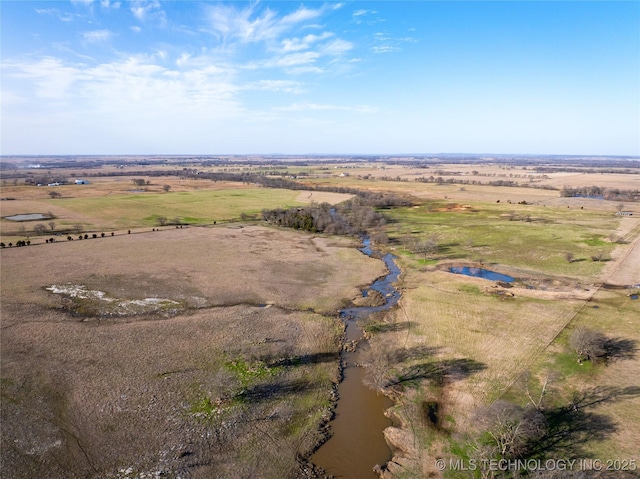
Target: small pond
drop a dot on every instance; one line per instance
(481, 273)
(29, 217)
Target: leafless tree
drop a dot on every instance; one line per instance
(52, 225)
(537, 389)
(569, 256)
(39, 229)
(166, 188)
(427, 247)
(510, 431)
(588, 344)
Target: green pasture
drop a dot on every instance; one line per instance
(194, 207)
(524, 236)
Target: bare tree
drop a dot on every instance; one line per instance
(52, 225)
(77, 228)
(510, 431)
(569, 256)
(427, 247)
(162, 220)
(528, 385)
(54, 194)
(166, 188)
(588, 344)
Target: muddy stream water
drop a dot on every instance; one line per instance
(357, 444)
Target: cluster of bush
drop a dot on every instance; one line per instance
(355, 216)
(18, 244)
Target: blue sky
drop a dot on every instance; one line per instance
(363, 77)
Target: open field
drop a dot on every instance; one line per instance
(523, 236)
(116, 204)
(227, 373)
(478, 338)
(212, 351)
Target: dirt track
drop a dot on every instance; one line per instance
(625, 270)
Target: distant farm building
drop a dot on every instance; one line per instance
(82, 182)
(624, 213)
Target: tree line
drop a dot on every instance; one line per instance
(611, 194)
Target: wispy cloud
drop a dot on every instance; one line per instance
(109, 4)
(149, 11)
(385, 49)
(54, 12)
(389, 44)
(369, 17)
(296, 44)
(97, 36)
(248, 25)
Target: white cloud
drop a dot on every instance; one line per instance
(97, 36)
(245, 25)
(109, 4)
(390, 44)
(54, 12)
(386, 49)
(336, 48)
(296, 44)
(301, 15)
(296, 59)
(149, 11)
(360, 13)
(49, 77)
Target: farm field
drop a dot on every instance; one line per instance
(205, 352)
(116, 204)
(481, 339)
(225, 337)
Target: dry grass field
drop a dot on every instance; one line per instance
(228, 373)
(212, 351)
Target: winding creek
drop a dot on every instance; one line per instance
(357, 443)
